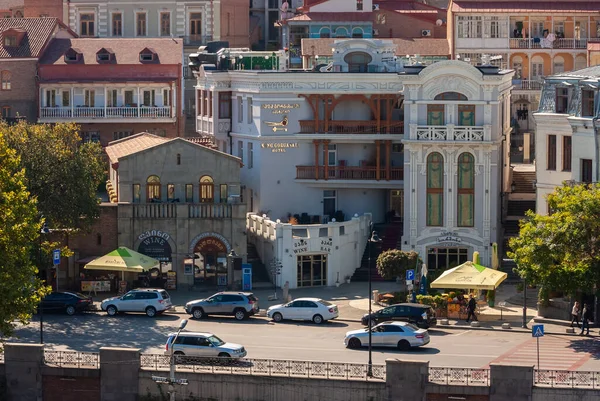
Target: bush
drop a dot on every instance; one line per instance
(425, 300)
(394, 263)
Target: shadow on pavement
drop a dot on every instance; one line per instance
(585, 344)
(416, 350)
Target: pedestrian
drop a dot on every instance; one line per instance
(575, 314)
(585, 320)
(471, 306)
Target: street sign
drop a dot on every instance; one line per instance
(56, 257)
(537, 330)
(410, 274)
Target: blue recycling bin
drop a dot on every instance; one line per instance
(246, 276)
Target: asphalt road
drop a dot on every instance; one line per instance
(307, 341)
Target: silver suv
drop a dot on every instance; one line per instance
(237, 304)
(204, 345)
(148, 300)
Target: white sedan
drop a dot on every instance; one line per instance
(402, 335)
(314, 309)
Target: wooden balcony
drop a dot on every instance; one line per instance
(347, 173)
(351, 127)
(563, 43)
(102, 112)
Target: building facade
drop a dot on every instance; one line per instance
(142, 94)
(33, 9)
(567, 131)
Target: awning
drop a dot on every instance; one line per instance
(124, 260)
(470, 276)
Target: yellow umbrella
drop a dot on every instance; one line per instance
(124, 260)
(470, 276)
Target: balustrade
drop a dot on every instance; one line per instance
(352, 127)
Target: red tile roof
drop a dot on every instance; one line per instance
(323, 16)
(423, 47)
(37, 33)
(532, 6)
(126, 51)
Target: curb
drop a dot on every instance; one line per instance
(499, 329)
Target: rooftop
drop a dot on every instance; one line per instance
(37, 33)
(132, 144)
(531, 6)
(423, 47)
(589, 72)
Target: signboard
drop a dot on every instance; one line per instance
(410, 275)
(56, 257)
(302, 245)
(537, 330)
(279, 147)
(155, 246)
(449, 238)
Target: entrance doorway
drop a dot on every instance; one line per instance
(210, 263)
(397, 204)
(312, 270)
(446, 258)
(329, 203)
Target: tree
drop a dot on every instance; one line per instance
(561, 251)
(19, 230)
(61, 171)
(394, 263)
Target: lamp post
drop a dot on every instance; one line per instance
(524, 303)
(373, 238)
(182, 325)
(44, 230)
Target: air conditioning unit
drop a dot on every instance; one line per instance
(426, 32)
(375, 32)
(375, 7)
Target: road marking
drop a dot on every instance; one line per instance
(460, 334)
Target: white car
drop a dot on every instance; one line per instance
(314, 309)
(150, 301)
(401, 335)
(205, 345)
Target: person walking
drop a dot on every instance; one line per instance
(585, 320)
(471, 306)
(575, 314)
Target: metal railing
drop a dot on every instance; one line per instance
(459, 376)
(567, 378)
(347, 173)
(72, 359)
(265, 367)
(106, 112)
(352, 127)
(562, 43)
(527, 84)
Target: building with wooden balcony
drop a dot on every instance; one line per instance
(179, 202)
(114, 87)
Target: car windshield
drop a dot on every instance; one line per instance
(216, 341)
(323, 302)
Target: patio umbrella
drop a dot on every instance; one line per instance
(124, 260)
(470, 276)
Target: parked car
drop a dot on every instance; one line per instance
(205, 345)
(314, 309)
(401, 335)
(420, 315)
(151, 301)
(67, 302)
(241, 305)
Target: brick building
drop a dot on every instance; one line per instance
(33, 9)
(113, 87)
(24, 41)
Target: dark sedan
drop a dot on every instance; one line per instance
(67, 302)
(421, 316)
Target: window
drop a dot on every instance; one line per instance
(357, 33)
(153, 188)
(225, 105)
(312, 270)
(149, 98)
(451, 96)
(359, 5)
(397, 147)
(5, 78)
(324, 33)
(165, 24)
(341, 32)
(103, 57)
(146, 56)
(249, 108)
(166, 97)
(50, 98)
(121, 134)
(189, 193)
(196, 25)
(111, 98)
(518, 67)
(66, 98)
(207, 188)
(466, 115)
(587, 106)
(250, 155)
(6, 112)
(240, 109)
(171, 192)
(562, 100)
(136, 193)
(493, 28)
(446, 258)
(586, 170)
(140, 24)
(223, 193)
(551, 152)
(10, 40)
(358, 61)
(117, 24)
(466, 190)
(435, 190)
(178, 159)
(86, 24)
(241, 150)
(469, 27)
(566, 153)
(128, 98)
(91, 136)
(90, 98)
(71, 56)
(435, 114)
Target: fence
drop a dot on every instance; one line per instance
(566, 378)
(266, 367)
(459, 376)
(72, 359)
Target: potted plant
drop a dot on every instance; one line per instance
(491, 298)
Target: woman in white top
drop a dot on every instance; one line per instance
(575, 314)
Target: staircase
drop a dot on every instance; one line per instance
(390, 235)
(524, 182)
(520, 207)
(260, 272)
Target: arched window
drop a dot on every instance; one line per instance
(5, 79)
(435, 189)
(466, 190)
(580, 62)
(451, 96)
(153, 189)
(207, 189)
(358, 61)
(325, 33)
(357, 32)
(558, 65)
(341, 32)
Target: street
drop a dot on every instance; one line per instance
(307, 341)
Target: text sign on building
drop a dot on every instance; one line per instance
(304, 246)
(281, 108)
(155, 244)
(279, 147)
(449, 238)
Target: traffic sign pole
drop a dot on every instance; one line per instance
(537, 331)
(56, 262)
(538, 352)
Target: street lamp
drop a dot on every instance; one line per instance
(182, 325)
(524, 303)
(43, 230)
(374, 238)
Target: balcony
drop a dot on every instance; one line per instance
(450, 133)
(348, 173)
(196, 40)
(527, 84)
(532, 43)
(182, 210)
(111, 114)
(351, 127)
(207, 126)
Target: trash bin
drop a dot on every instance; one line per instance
(375, 298)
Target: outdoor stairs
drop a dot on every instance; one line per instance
(390, 235)
(260, 272)
(518, 208)
(507, 266)
(524, 182)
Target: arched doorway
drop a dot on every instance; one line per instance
(210, 261)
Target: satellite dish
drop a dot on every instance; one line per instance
(439, 22)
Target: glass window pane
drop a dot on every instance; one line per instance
(465, 210)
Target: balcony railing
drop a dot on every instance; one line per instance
(182, 210)
(347, 173)
(351, 127)
(450, 133)
(196, 40)
(534, 43)
(527, 84)
(106, 112)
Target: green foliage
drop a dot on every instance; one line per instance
(61, 172)
(19, 230)
(436, 302)
(562, 250)
(394, 263)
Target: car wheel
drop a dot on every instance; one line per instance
(278, 317)
(317, 319)
(70, 310)
(198, 313)
(111, 310)
(151, 311)
(354, 343)
(240, 314)
(224, 355)
(403, 345)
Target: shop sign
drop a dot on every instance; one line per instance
(212, 244)
(281, 108)
(155, 246)
(449, 238)
(197, 242)
(279, 147)
(326, 245)
(154, 233)
(302, 246)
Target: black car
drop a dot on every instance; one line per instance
(68, 302)
(420, 315)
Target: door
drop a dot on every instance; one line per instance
(329, 203)
(330, 157)
(128, 302)
(537, 71)
(50, 302)
(391, 335)
(397, 204)
(386, 314)
(195, 26)
(377, 336)
(128, 98)
(230, 302)
(293, 310)
(308, 310)
(214, 305)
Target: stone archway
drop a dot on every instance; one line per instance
(211, 268)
